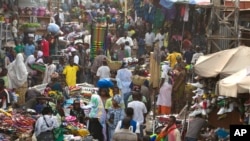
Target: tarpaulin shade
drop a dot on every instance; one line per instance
(223, 63)
(234, 84)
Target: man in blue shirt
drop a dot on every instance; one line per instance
(29, 48)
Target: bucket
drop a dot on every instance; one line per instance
(34, 11)
(41, 11)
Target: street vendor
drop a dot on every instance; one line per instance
(45, 124)
(140, 68)
(78, 112)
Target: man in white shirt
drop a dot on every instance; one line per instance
(160, 37)
(196, 55)
(103, 71)
(122, 40)
(149, 40)
(75, 56)
(140, 110)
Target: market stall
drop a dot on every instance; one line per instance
(222, 63)
(235, 84)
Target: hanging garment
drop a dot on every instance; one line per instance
(159, 18)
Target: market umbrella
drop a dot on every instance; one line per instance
(223, 63)
(238, 82)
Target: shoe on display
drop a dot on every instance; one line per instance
(222, 111)
(209, 110)
(247, 103)
(204, 112)
(197, 85)
(220, 97)
(222, 116)
(231, 107)
(197, 90)
(213, 100)
(222, 103)
(196, 105)
(195, 112)
(195, 97)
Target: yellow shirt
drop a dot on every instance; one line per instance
(172, 58)
(70, 73)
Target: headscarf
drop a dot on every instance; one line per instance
(97, 108)
(17, 72)
(118, 99)
(54, 75)
(39, 54)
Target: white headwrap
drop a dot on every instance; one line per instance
(17, 72)
(39, 53)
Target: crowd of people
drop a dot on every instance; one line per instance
(116, 113)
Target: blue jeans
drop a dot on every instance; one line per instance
(190, 139)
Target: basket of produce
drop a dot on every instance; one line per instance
(138, 80)
(114, 65)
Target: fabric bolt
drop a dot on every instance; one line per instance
(98, 40)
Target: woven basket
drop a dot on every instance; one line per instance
(114, 65)
(138, 80)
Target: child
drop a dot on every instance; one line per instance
(108, 103)
(114, 115)
(127, 49)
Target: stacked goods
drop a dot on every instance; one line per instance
(17, 123)
(98, 40)
(75, 127)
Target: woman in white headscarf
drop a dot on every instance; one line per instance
(39, 58)
(97, 118)
(164, 100)
(17, 76)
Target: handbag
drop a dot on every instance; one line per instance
(57, 132)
